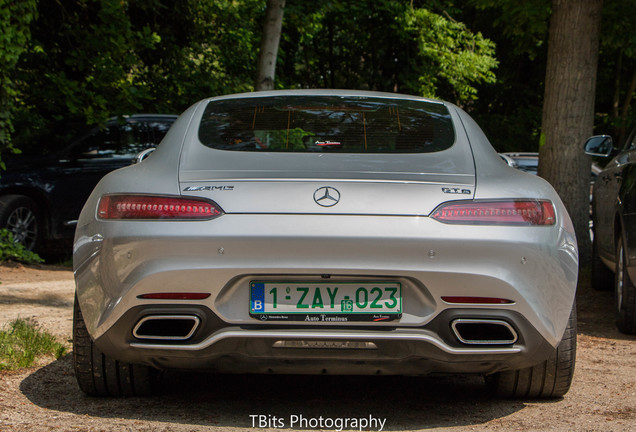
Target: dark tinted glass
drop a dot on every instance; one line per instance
(326, 124)
(630, 142)
(122, 141)
(528, 164)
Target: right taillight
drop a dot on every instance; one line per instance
(507, 212)
(146, 207)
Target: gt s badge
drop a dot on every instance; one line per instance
(460, 191)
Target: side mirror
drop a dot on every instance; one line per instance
(141, 156)
(599, 145)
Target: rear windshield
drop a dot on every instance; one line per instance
(326, 124)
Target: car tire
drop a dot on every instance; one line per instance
(624, 293)
(549, 379)
(99, 375)
(22, 217)
(602, 277)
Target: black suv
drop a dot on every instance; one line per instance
(41, 198)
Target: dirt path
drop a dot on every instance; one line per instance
(46, 397)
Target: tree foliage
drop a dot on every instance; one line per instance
(205, 48)
(383, 45)
(15, 18)
(82, 61)
(448, 52)
(89, 60)
(617, 67)
(510, 109)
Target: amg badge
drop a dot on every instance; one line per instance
(208, 188)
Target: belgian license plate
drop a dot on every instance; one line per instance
(325, 302)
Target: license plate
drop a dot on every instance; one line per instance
(325, 302)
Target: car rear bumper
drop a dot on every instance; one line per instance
(534, 267)
(220, 347)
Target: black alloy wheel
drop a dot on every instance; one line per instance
(20, 215)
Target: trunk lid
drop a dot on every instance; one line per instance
(388, 184)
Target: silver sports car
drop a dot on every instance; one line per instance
(325, 232)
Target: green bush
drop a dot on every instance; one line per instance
(10, 250)
(23, 342)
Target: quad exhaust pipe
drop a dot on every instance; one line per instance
(167, 327)
(484, 331)
(467, 330)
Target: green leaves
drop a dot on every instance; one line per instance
(87, 64)
(23, 342)
(524, 23)
(384, 45)
(88, 60)
(10, 250)
(448, 51)
(15, 18)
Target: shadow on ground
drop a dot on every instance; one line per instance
(595, 309)
(229, 400)
(47, 300)
(407, 403)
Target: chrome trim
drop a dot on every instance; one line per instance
(324, 344)
(401, 335)
(193, 318)
(142, 155)
(514, 339)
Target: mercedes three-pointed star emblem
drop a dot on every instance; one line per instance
(326, 196)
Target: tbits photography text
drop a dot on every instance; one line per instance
(299, 421)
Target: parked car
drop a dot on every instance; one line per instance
(325, 232)
(529, 162)
(614, 224)
(41, 197)
(525, 161)
(508, 160)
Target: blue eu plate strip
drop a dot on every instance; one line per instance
(257, 298)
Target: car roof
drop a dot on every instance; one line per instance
(326, 92)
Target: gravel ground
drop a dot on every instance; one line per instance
(46, 397)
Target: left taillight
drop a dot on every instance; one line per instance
(156, 207)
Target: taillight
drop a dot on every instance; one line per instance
(155, 207)
(509, 212)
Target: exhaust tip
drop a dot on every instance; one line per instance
(484, 332)
(167, 327)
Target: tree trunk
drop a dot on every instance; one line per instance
(568, 108)
(266, 68)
